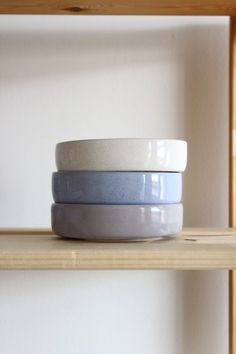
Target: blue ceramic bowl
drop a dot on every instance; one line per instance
(116, 187)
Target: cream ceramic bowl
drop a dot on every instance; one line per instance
(122, 155)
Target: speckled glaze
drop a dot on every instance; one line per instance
(116, 187)
(122, 155)
(116, 222)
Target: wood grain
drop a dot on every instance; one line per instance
(121, 7)
(206, 249)
(232, 179)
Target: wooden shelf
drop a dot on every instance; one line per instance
(122, 7)
(193, 249)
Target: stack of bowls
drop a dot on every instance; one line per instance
(118, 189)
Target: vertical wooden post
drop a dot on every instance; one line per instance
(232, 312)
(232, 180)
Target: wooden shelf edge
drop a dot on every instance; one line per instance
(187, 231)
(192, 249)
(123, 7)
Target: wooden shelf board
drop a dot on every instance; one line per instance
(193, 249)
(122, 7)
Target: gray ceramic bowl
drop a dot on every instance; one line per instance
(116, 222)
(93, 187)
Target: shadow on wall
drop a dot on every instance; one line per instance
(202, 101)
(205, 294)
(206, 126)
(205, 312)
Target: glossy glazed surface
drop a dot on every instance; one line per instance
(122, 155)
(116, 187)
(116, 222)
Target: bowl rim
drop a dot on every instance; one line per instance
(123, 139)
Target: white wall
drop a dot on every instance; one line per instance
(78, 77)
